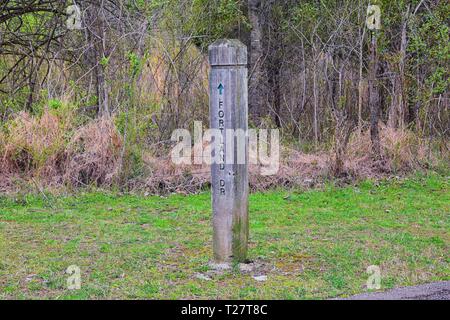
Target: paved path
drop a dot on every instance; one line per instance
(431, 291)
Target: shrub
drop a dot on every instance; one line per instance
(33, 145)
(94, 154)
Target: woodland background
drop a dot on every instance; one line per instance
(96, 106)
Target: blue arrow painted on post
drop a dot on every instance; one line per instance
(220, 88)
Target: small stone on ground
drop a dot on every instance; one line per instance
(219, 266)
(260, 278)
(202, 277)
(246, 267)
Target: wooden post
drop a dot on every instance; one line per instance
(229, 177)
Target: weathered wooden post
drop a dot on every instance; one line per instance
(229, 110)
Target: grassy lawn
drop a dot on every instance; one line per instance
(313, 244)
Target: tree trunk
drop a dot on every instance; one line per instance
(399, 112)
(256, 81)
(374, 99)
(96, 37)
(316, 106)
(360, 83)
(101, 67)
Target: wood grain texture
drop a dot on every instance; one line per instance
(229, 110)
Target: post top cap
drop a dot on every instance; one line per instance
(228, 52)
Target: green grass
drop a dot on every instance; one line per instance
(314, 244)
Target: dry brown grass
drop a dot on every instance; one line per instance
(42, 148)
(296, 170)
(165, 177)
(94, 154)
(402, 152)
(32, 148)
(5, 165)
